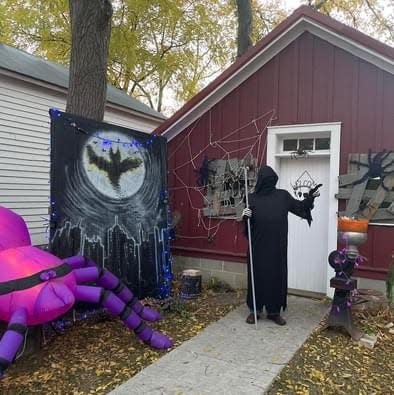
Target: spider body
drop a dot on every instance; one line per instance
(376, 168)
(204, 172)
(38, 287)
(299, 153)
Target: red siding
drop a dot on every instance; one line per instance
(309, 81)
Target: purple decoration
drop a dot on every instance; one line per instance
(41, 288)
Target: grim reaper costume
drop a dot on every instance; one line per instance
(269, 227)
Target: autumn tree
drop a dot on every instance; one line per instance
(372, 17)
(91, 29)
(161, 51)
(245, 24)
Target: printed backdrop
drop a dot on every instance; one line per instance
(109, 199)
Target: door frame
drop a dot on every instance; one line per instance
(275, 136)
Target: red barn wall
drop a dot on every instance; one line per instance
(310, 81)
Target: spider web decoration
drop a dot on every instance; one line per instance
(250, 149)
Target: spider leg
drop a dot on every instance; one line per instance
(362, 179)
(369, 156)
(12, 338)
(109, 281)
(384, 186)
(117, 307)
(356, 162)
(388, 165)
(385, 154)
(384, 175)
(79, 261)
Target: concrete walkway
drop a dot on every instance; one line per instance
(230, 356)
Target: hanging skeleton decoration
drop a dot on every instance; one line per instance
(375, 166)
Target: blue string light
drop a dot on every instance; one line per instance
(106, 143)
(167, 260)
(167, 275)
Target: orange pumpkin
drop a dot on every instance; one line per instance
(352, 225)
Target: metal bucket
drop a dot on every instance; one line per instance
(191, 284)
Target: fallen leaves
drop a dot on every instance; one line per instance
(95, 357)
(329, 362)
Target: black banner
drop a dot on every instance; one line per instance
(109, 199)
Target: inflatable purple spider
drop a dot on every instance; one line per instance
(37, 287)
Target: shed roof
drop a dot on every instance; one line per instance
(25, 64)
(301, 20)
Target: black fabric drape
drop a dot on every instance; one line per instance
(269, 229)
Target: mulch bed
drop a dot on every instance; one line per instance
(97, 354)
(329, 362)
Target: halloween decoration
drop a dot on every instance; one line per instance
(303, 185)
(269, 232)
(37, 287)
(114, 167)
(226, 187)
(249, 235)
(375, 167)
(109, 200)
(204, 172)
(372, 198)
(299, 153)
(352, 233)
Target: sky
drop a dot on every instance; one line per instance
(291, 4)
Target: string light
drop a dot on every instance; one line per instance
(164, 288)
(106, 142)
(340, 261)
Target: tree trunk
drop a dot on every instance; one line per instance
(91, 29)
(245, 20)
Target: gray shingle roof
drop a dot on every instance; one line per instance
(21, 62)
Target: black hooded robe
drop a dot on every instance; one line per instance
(269, 228)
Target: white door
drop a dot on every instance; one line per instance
(307, 248)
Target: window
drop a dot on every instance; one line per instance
(322, 143)
(306, 144)
(290, 145)
(311, 144)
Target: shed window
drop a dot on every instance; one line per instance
(322, 143)
(290, 145)
(311, 144)
(306, 144)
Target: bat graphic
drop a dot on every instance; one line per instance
(114, 167)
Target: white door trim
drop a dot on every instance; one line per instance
(274, 153)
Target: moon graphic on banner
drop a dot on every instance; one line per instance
(113, 164)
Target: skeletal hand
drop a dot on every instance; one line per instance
(247, 212)
(314, 192)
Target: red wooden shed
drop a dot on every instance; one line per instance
(312, 82)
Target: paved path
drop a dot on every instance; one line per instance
(230, 356)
